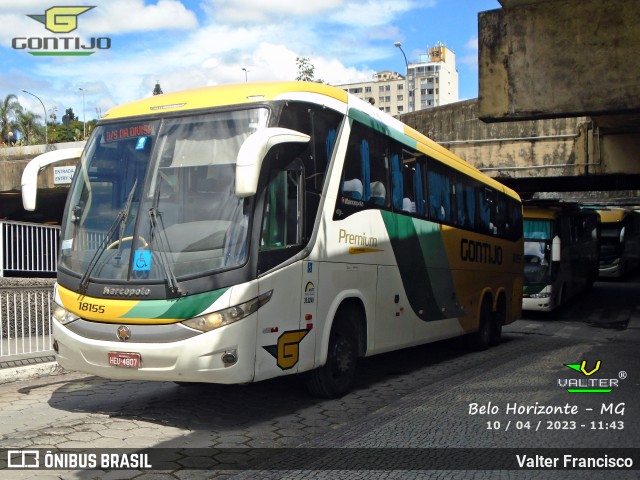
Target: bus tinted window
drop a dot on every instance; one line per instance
(366, 169)
(440, 184)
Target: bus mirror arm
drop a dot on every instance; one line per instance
(254, 150)
(29, 181)
(555, 249)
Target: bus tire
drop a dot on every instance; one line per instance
(481, 339)
(499, 318)
(336, 377)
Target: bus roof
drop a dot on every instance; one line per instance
(247, 93)
(218, 96)
(541, 213)
(612, 214)
(552, 209)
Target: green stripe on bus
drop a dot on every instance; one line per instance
(422, 262)
(184, 307)
(377, 125)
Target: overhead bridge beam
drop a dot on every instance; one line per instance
(581, 183)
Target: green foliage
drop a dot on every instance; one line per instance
(10, 108)
(306, 70)
(13, 117)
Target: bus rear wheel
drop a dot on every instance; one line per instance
(337, 376)
(499, 318)
(481, 339)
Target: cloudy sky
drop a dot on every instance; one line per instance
(193, 43)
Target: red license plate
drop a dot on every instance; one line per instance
(122, 359)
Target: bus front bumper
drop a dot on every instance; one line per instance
(610, 271)
(538, 304)
(195, 359)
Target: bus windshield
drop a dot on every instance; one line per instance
(156, 199)
(537, 247)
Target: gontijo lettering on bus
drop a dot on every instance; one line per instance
(480, 252)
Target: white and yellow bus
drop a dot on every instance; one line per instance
(560, 252)
(238, 233)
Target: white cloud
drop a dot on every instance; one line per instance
(472, 44)
(124, 16)
(259, 11)
(470, 60)
(373, 13)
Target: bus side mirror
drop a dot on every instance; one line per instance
(29, 182)
(555, 249)
(622, 234)
(253, 151)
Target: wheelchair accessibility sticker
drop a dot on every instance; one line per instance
(142, 261)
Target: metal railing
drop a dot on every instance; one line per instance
(28, 248)
(25, 320)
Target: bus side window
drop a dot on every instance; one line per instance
(441, 193)
(282, 221)
(465, 202)
(407, 186)
(485, 202)
(365, 176)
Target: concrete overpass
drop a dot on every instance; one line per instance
(569, 154)
(51, 196)
(562, 59)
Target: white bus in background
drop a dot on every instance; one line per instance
(619, 241)
(560, 253)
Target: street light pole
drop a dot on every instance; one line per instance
(46, 134)
(245, 74)
(406, 64)
(84, 115)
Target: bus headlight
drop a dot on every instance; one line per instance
(63, 315)
(540, 295)
(211, 321)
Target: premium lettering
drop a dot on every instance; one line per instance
(359, 240)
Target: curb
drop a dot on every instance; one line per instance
(36, 368)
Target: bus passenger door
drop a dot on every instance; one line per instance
(282, 330)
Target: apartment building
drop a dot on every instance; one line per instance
(430, 82)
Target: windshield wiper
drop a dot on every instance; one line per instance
(120, 221)
(123, 222)
(155, 217)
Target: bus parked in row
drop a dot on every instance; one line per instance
(619, 241)
(560, 251)
(238, 233)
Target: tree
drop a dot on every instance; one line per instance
(306, 70)
(26, 122)
(157, 90)
(9, 109)
(70, 114)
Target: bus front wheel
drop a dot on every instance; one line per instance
(335, 378)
